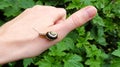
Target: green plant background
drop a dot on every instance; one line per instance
(96, 44)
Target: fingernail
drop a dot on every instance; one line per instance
(91, 11)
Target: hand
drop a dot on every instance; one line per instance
(19, 39)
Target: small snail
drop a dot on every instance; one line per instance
(51, 35)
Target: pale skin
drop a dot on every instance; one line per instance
(19, 40)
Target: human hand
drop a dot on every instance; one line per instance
(19, 39)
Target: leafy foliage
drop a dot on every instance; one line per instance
(96, 44)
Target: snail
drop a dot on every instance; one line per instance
(50, 35)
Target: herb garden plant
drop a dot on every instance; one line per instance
(96, 44)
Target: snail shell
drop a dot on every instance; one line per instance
(51, 35)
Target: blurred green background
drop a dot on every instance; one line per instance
(96, 44)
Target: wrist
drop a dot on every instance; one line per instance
(8, 52)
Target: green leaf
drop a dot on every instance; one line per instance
(116, 52)
(101, 37)
(92, 51)
(107, 10)
(73, 35)
(4, 4)
(75, 4)
(67, 1)
(46, 62)
(101, 3)
(16, 9)
(115, 62)
(12, 11)
(93, 63)
(27, 62)
(71, 6)
(81, 30)
(97, 33)
(98, 20)
(118, 44)
(59, 48)
(39, 2)
(84, 40)
(109, 25)
(12, 64)
(49, 62)
(116, 8)
(25, 3)
(72, 60)
(86, 2)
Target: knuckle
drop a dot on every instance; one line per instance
(27, 10)
(75, 20)
(62, 10)
(37, 7)
(49, 7)
(40, 7)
